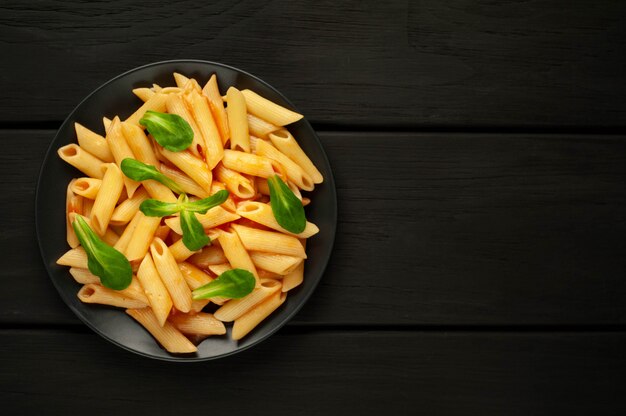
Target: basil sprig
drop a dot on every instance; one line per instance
(139, 171)
(233, 284)
(194, 236)
(111, 266)
(169, 130)
(156, 208)
(286, 207)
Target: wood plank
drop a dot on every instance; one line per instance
(434, 229)
(453, 63)
(338, 373)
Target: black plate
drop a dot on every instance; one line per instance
(115, 98)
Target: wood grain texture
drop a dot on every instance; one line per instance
(480, 63)
(434, 229)
(321, 372)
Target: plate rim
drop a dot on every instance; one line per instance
(330, 181)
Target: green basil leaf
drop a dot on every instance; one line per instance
(194, 236)
(169, 130)
(111, 266)
(139, 171)
(203, 205)
(233, 284)
(156, 208)
(286, 207)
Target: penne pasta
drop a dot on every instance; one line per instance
(180, 251)
(235, 182)
(214, 217)
(268, 241)
(125, 211)
(195, 168)
(144, 94)
(286, 144)
(294, 278)
(214, 149)
(93, 293)
(73, 204)
(81, 160)
(234, 308)
(248, 321)
(104, 204)
(155, 103)
(262, 213)
(259, 127)
(292, 170)
(176, 105)
(249, 163)
(185, 182)
(93, 143)
(280, 264)
(171, 275)
(76, 257)
(237, 120)
(167, 335)
(209, 255)
(268, 110)
(142, 236)
(86, 187)
(139, 143)
(211, 91)
(121, 151)
(84, 276)
(122, 242)
(236, 253)
(198, 324)
(154, 289)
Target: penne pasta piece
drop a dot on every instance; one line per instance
(229, 204)
(211, 91)
(86, 187)
(93, 143)
(198, 324)
(92, 293)
(81, 160)
(209, 255)
(171, 275)
(218, 269)
(180, 251)
(260, 128)
(167, 335)
(213, 148)
(195, 168)
(87, 206)
(142, 237)
(268, 241)
(213, 217)
(249, 163)
(158, 297)
(280, 264)
(106, 123)
(125, 211)
(195, 278)
(73, 204)
(139, 143)
(237, 120)
(121, 151)
(262, 213)
(122, 242)
(235, 182)
(268, 110)
(293, 278)
(155, 103)
(248, 321)
(292, 170)
(234, 308)
(185, 182)
(176, 105)
(104, 204)
(134, 291)
(144, 94)
(84, 276)
(286, 144)
(180, 80)
(236, 253)
(76, 257)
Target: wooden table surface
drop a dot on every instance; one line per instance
(479, 150)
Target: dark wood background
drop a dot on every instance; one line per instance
(479, 150)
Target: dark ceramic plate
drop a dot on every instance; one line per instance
(115, 98)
